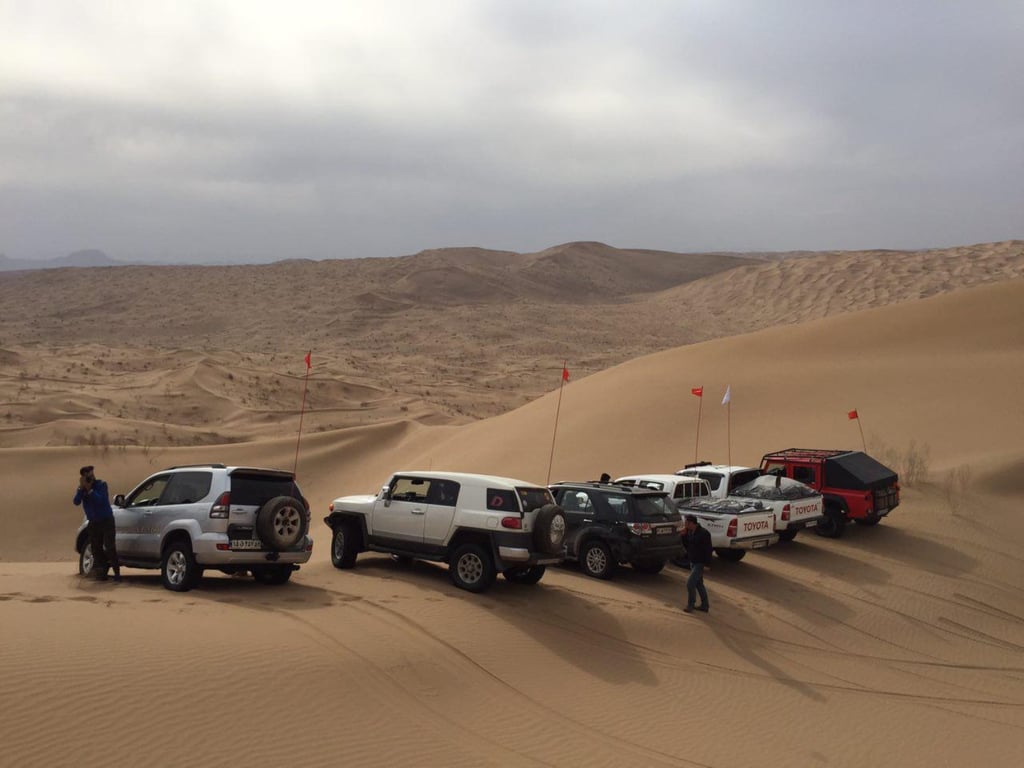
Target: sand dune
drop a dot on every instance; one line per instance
(895, 646)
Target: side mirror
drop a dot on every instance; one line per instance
(119, 500)
(385, 494)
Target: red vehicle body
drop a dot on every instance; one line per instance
(853, 485)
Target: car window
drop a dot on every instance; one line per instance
(655, 507)
(577, 501)
(775, 468)
(186, 488)
(501, 500)
(254, 490)
(148, 494)
(713, 480)
(409, 489)
(618, 506)
(744, 477)
(687, 490)
(443, 492)
(534, 498)
(804, 474)
(652, 484)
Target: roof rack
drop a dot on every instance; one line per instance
(812, 453)
(205, 466)
(697, 464)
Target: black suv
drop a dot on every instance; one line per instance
(610, 524)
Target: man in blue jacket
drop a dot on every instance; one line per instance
(94, 497)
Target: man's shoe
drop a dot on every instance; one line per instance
(702, 608)
(117, 579)
(688, 609)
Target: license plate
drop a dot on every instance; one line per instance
(666, 531)
(759, 544)
(811, 524)
(246, 544)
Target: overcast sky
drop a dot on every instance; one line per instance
(217, 129)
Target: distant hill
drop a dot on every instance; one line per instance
(86, 258)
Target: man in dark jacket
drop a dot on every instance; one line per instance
(93, 496)
(698, 548)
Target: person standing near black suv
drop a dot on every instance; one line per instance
(94, 497)
(698, 548)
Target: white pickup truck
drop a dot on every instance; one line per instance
(735, 525)
(796, 506)
(722, 478)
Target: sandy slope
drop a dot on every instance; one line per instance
(894, 646)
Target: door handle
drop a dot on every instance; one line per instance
(419, 511)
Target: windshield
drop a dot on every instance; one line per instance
(655, 507)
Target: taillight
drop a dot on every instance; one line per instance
(640, 529)
(731, 531)
(330, 507)
(785, 511)
(512, 522)
(222, 506)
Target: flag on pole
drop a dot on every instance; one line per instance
(697, 391)
(728, 395)
(565, 373)
(852, 414)
(309, 359)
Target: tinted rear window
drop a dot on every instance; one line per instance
(257, 490)
(501, 500)
(655, 508)
(742, 478)
(534, 498)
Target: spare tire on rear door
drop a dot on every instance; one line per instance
(549, 530)
(281, 523)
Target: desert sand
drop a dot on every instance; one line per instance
(897, 645)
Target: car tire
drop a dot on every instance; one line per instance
(271, 574)
(596, 560)
(281, 523)
(344, 544)
(471, 568)
(649, 565)
(179, 570)
(868, 522)
(788, 535)
(528, 575)
(550, 529)
(86, 562)
(731, 555)
(833, 524)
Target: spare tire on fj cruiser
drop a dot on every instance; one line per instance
(281, 523)
(549, 530)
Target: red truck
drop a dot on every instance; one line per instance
(853, 485)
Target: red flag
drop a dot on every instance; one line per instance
(698, 391)
(565, 373)
(309, 360)
(852, 414)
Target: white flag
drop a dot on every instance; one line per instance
(728, 395)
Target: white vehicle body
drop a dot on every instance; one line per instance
(735, 525)
(676, 486)
(796, 506)
(722, 478)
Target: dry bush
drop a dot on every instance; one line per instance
(956, 486)
(910, 463)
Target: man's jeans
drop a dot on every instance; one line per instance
(104, 546)
(695, 586)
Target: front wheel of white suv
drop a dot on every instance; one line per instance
(344, 544)
(471, 568)
(86, 562)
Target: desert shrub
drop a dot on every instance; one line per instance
(955, 487)
(911, 463)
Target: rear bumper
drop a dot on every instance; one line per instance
(523, 556)
(649, 548)
(799, 525)
(757, 542)
(206, 552)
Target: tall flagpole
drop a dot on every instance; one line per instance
(302, 411)
(558, 408)
(861, 428)
(700, 407)
(728, 430)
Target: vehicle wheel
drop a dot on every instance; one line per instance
(530, 574)
(832, 526)
(788, 535)
(471, 568)
(179, 569)
(731, 555)
(281, 523)
(550, 528)
(86, 562)
(271, 574)
(651, 566)
(868, 522)
(596, 560)
(344, 544)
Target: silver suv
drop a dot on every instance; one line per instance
(185, 519)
